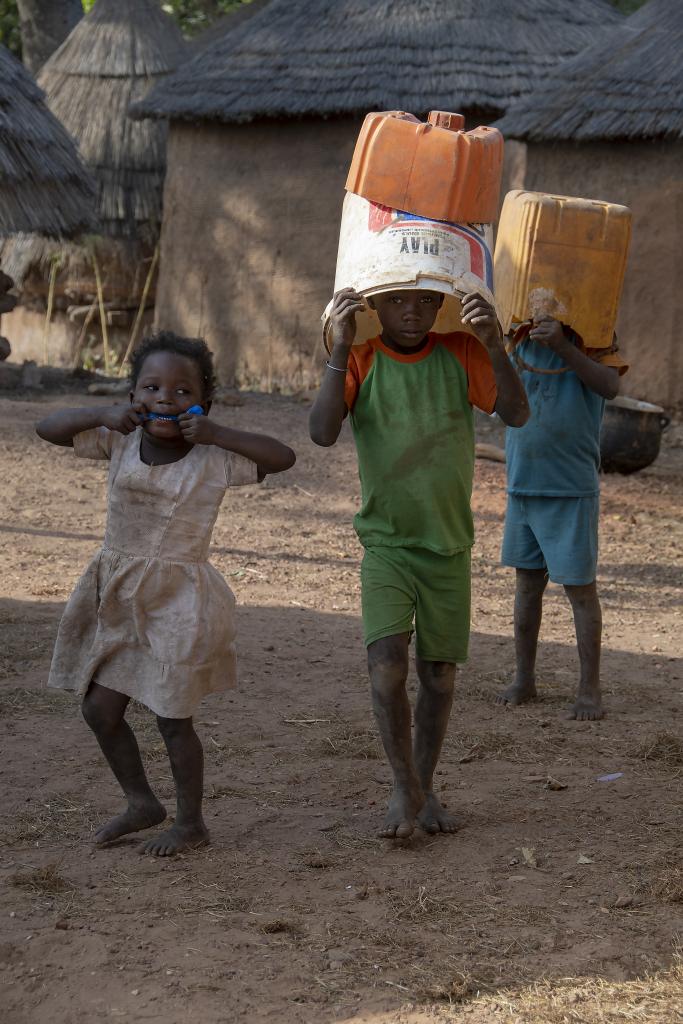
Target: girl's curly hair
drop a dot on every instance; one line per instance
(192, 348)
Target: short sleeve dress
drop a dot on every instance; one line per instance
(150, 617)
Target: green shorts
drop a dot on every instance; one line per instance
(412, 588)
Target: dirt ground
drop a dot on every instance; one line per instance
(550, 904)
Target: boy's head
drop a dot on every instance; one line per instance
(407, 315)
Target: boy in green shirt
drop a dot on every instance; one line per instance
(410, 395)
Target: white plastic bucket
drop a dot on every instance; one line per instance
(381, 249)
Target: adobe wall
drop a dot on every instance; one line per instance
(648, 178)
(249, 242)
(24, 328)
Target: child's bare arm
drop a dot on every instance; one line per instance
(329, 408)
(603, 380)
(269, 454)
(511, 404)
(61, 427)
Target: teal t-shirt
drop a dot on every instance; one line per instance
(557, 451)
(412, 422)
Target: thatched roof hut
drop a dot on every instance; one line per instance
(263, 125)
(626, 86)
(43, 185)
(325, 57)
(611, 127)
(109, 60)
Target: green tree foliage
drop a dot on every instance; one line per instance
(9, 26)
(191, 15)
(195, 15)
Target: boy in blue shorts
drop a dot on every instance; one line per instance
(409, 393)
(551, 523)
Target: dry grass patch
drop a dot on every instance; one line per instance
(479, 691)
(415, 903)
(668, 885)
(663, 749)
(350, 743)
(62, 819)
(224, 753)
(41, 702)
(213, 899)
(45, 880)
(153, 752)
(351, 839)
(654, 999)
(497, 746)
(429, 986)
(142, 721)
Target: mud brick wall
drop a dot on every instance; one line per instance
(249, 242)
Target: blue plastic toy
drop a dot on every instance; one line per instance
(196, 410)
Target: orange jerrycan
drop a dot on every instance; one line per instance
(434, 168)
(562, 257)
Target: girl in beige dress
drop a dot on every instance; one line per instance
(151, 618)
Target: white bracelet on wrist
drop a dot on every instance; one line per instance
(329, 365)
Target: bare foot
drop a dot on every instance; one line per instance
(176, 839)
(135, 819)
(434, 817)
(587, 708)
(401, 813)
(518, 692)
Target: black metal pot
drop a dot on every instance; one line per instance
(631, 434)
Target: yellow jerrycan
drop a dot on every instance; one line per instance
(563, 257)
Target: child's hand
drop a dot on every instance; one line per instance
(549, 332)
(482, 318)
(346, 304)
(123, 418)
(196, 429)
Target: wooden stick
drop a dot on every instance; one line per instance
(103, 315)
(54, 266)
(81, 337)
(141, 311)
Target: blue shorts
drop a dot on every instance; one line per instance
(556, 534)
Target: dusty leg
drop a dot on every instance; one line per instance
(432, 711)
(103, 710)
(388, 668)
(588, 623)
(528, 612)
(187, 764)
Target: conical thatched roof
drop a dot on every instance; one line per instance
(43, 185)
(627, 86)
(111, 58)
(325, 57)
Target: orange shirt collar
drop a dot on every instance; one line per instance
(402, 357)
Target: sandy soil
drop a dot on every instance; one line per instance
(297, 913)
